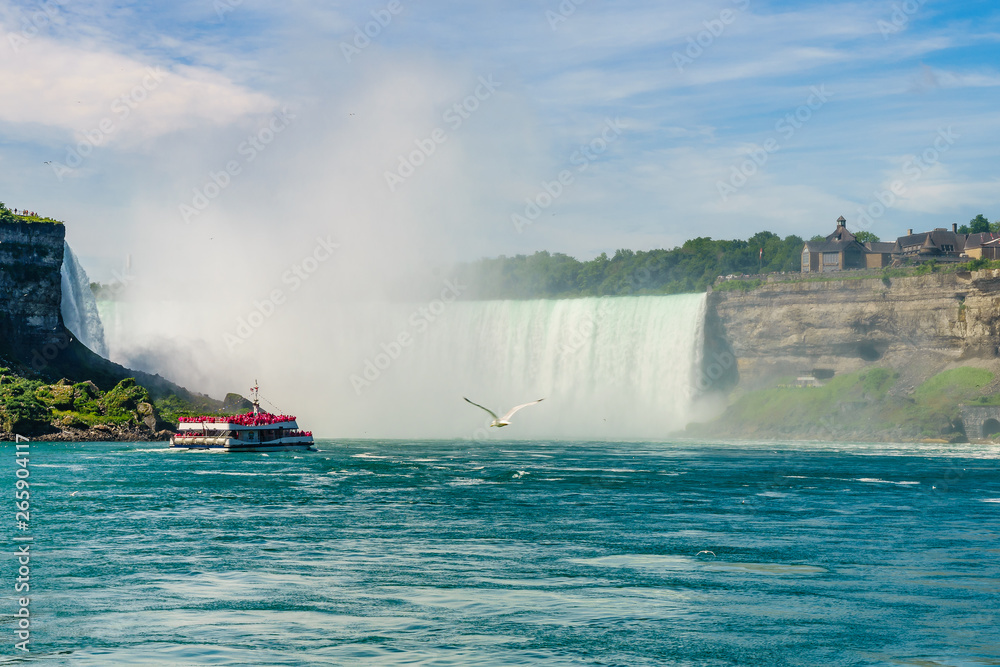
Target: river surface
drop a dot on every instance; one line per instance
(510, 553)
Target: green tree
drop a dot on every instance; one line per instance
(689, 268)
(979, 224)
(866, 237)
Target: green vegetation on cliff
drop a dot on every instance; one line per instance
(690, 268)
(978, 225)
(861, 405)
(6, 215)
(20, 410)
(33, 408)
(172, 407)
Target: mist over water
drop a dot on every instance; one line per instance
(251, 286)
(616, 368)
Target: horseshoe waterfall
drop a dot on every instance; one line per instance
(622, 367)
(610, 368)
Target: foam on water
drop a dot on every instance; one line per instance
(884, 481)
(334, 558)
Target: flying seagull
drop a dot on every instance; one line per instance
(704, 552)
(505, 420)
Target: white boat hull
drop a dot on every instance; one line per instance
(237, 445)
(256, 431)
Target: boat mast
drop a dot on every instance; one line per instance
(254, 397)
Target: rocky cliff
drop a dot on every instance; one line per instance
(36, 348)
(31, 255)
(918, 325)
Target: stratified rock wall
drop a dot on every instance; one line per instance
(31, 255)
(783, 329)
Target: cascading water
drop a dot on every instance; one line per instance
(611, 368)
(622, 367)
(78, 306)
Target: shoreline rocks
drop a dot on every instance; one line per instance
(99, 433)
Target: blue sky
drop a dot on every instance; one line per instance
(665, 121)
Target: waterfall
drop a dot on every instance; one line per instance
(609, 368)
(78, 306)
(617, 367)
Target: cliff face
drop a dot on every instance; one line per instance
(31, 255)
(34, 343)
(917, 323)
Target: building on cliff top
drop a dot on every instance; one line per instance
(841, 251)
(940, 244)
(879, 254)
(989, 248)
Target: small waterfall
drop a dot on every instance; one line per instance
(78, 306)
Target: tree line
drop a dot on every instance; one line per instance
(691, 267)
(979, 225)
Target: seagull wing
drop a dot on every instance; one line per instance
(482, 408)
(510, 413)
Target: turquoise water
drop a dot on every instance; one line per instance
(511, 553)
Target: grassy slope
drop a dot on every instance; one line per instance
(857, 405)
(37, 399)
(31, 407)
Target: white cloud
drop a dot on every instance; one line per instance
(76, 89)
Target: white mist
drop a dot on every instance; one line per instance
(609, 368)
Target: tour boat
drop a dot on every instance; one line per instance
(256, 431)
